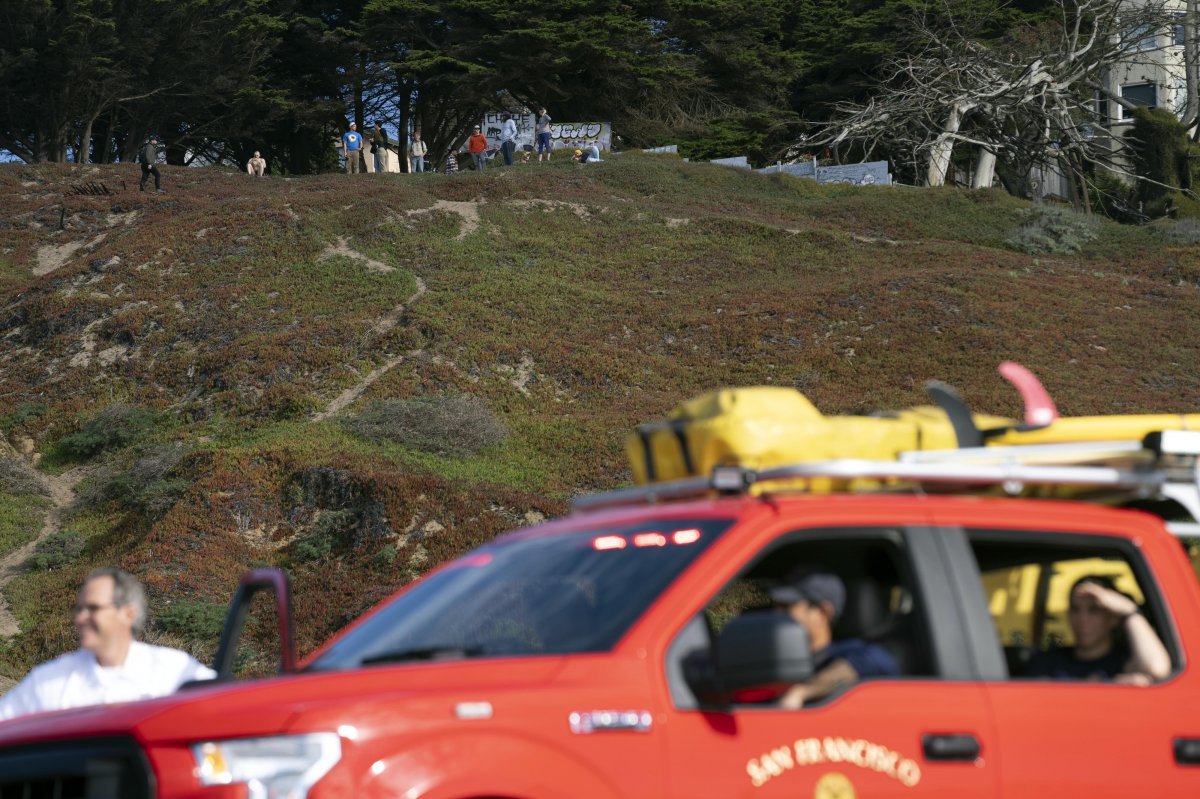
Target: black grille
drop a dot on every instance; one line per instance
(98, 768)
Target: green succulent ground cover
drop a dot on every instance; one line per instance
(587, 299)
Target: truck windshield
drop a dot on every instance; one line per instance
(556, 594)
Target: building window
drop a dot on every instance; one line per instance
(1140, 37)
(1141, 94)
(1178, 31)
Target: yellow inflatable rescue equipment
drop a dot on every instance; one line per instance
(762, 427)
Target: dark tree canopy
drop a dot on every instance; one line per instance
(89, 80)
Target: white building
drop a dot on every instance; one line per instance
(1152, 77)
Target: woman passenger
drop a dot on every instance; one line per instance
(1113, 641)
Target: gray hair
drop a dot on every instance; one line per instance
(127, 590)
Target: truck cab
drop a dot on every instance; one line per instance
(631, 649)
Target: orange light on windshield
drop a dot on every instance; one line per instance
(649, 540)
(608, 542)
(685, 536)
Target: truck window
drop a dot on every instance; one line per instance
(880, 606)
(1029, 602)
(1027, 582)
(529, 594)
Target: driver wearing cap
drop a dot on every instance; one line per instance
(815, 600)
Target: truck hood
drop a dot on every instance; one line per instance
(268, 707)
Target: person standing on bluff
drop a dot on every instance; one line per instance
(352, 149)
(379, 147)
(149, 159)
(477, 147)
(508, 139)
(418, 150)
(542, 129)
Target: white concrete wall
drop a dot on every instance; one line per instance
(392, 157)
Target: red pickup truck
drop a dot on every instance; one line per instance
(608, 654)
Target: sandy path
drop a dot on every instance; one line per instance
(467, 211)
(343, 249)
(386, 323)
(62, 494)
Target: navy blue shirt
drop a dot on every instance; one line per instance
(1060, 663)
(869, 660)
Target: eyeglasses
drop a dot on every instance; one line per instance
(92, 608)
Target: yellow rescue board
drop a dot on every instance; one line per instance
(1072, 429)
(763, 427)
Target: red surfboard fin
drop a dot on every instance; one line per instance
(1039, 408)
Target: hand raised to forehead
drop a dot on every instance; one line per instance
(1112, 601)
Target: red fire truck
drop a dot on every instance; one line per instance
(610, 653)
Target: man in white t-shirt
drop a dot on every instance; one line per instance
(110, 665)
(508, 139)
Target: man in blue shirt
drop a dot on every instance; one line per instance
(815, 599)
(352, 149)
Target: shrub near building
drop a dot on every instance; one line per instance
(1160, 146)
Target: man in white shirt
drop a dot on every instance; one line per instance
(110, 665)
(508, 139)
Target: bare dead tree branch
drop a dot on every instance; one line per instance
(1026, 99)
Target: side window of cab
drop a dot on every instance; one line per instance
(853, 593)
(1072, 607)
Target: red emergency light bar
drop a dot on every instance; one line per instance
(648, 539)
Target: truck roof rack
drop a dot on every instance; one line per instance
(1163, 467)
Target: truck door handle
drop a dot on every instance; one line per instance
(1187, 751)
(960, 747)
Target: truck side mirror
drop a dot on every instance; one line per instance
(251, 583)
(758, 649)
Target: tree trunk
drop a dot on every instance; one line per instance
(985, 169)
(404, 92)
(1072, 170)
(102, 140)
(84, 150)
(1083, 188)
(1191, 66)
(134, 136)
(943, 148)
(55, 148)
(358, 93)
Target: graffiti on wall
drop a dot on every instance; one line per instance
(580, 135)
(562, 134)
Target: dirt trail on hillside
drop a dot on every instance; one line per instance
(62, 494)
(386, 323)
(343, 249)
(468, 211)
